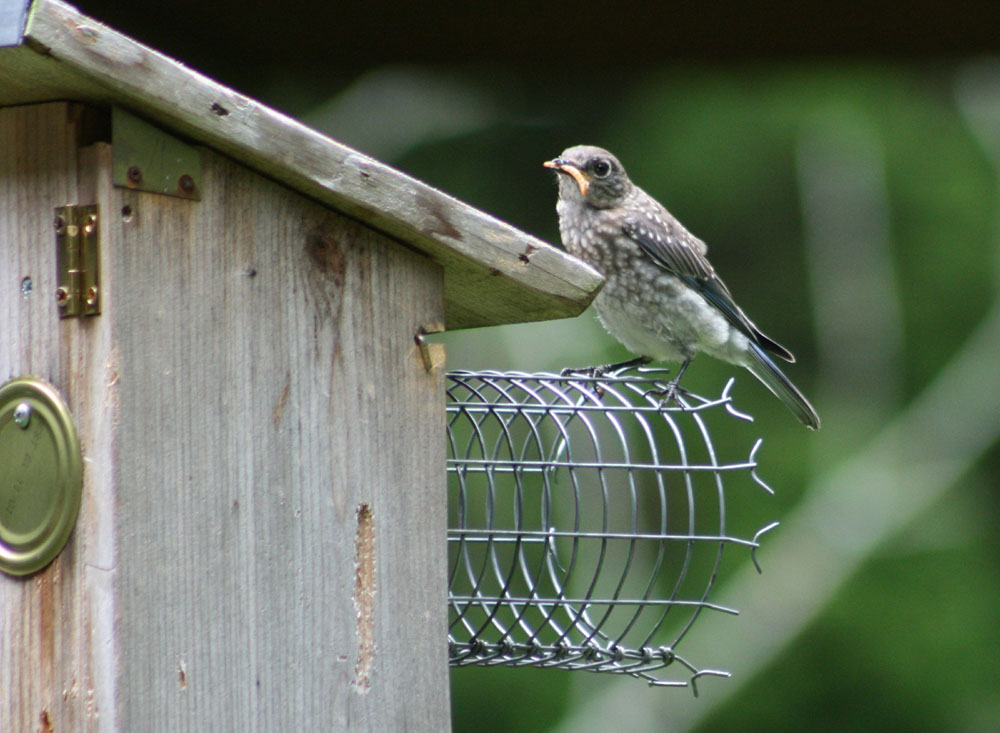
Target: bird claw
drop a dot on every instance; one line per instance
(596, 372)
(668, 394)
(593, 372)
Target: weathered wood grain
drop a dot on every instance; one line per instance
(494, 273)
(266, 549)
(57, 646)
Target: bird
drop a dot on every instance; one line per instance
(662, 299)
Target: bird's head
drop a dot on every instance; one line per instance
(590, 175)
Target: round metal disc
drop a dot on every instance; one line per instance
(41, 477)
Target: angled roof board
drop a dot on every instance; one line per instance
(494, 273)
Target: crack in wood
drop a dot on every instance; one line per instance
(364, 597)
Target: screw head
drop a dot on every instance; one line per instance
(22, 415)
(134, 174)
(186, 183)
(62, 295)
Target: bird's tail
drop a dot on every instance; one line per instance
(760, 365)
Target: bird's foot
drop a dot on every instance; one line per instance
(668, 394)
(596, 372)
(599, 371)
(591, 371)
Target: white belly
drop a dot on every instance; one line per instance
(670, 322)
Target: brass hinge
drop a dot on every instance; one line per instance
(78, 266)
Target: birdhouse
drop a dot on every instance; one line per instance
(222, 432)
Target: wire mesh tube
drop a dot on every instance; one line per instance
(587, 524)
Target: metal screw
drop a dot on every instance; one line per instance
(22, 415)
(27, 287)
(92, 295)
(134, 174)
(186, 183)
(60, 223)
(62, 295)
(91, 224)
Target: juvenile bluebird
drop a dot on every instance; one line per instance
(662, 299)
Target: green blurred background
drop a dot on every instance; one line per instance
(842, 164)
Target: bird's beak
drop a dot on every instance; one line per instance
(564, 166)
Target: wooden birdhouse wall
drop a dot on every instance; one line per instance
(261, 539)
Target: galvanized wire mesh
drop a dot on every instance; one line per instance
(587, 524)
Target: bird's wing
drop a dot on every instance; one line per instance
(672, 248)
(680, 253)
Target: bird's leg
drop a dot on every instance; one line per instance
(669, 394)
(600, 371)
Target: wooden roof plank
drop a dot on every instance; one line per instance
(494, 273)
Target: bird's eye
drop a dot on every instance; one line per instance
(601, 168)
